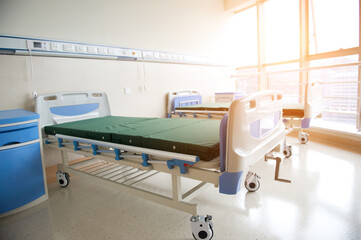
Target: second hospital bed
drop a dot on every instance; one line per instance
(188, 104)
(127, 150)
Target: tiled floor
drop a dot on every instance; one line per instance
(322, 202)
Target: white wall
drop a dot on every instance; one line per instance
(181, 26)
(193, 27)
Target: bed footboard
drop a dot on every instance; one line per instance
(254, 128)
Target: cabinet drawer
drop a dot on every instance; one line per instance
(18, 133)
(21, 176)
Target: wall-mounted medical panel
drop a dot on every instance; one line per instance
(28, 46)
(43, 47)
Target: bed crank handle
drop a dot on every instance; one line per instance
(277, 170)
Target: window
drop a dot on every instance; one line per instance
(288, 82)
(340, 86)
(281, 30)
(244, 49)
(333, 25)
(247, 80)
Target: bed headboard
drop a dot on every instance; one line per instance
(182, 98)
(71, 106)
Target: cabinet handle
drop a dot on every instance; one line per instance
(18, 145)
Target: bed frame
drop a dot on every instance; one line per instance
(251, 130)
(312, 108)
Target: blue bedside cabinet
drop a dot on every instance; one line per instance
(22, 174)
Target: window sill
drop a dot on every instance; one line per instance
(339, 129)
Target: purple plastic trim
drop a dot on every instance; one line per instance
(192, 100)
(305, 123)
(277, 118)
(230, 182)
(255, 129)
(223, 141)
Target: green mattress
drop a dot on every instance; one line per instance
(206, 107)
(198, 137)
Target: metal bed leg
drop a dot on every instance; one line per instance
(176, 188)
(202, 226)
(64, 158)
(287, 149)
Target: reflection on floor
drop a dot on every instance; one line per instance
(322, 202)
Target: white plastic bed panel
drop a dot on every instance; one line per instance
(71, 106)
(257, 119)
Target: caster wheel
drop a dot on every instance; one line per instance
(204, 235)
(202, 227)
(63, 179)
(252, 186)
(303, 137)
(287, 151)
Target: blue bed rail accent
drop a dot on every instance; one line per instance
(117, 153)
(76, 145)
(181, 164)
(145, 158)
(95, 149)
(223, 141)
(60, 141)
(230, 182)
(183, 101)
(74, 110)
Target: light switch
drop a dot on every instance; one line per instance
(127, 90)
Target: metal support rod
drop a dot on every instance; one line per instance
(176, 187)
(111, 170)
(143, 178)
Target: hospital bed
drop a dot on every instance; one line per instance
(299, 115)
(126, 150)
(188, 104)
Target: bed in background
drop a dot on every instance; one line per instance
(300, 115)
(188, 104)
(129, 150)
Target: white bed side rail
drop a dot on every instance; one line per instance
(255, 127)
(71, 106)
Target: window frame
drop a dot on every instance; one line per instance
(305, 56)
